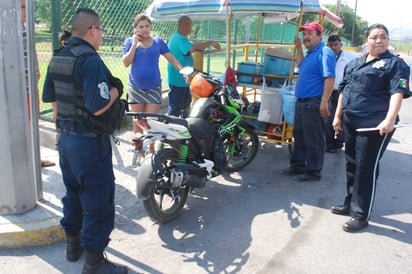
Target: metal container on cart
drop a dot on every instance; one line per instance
(249, 73)
(276, 62)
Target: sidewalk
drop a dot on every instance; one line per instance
(41, 225)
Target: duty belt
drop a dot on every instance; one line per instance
(301, 100)
(83, 134)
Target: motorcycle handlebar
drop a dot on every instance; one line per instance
(191, 70)
(159, 116)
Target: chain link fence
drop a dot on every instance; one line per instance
(117, 17)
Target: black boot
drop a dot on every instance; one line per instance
(97, 263)
(73, 248)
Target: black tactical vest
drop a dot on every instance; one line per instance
(69, 96)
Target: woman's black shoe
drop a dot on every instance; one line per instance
(340, 209)
(353, 225)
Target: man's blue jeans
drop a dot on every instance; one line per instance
(180, 99)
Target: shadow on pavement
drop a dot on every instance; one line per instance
(240, 221)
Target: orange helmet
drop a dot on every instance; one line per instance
(201, 87)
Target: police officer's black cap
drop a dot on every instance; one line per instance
(334, 38)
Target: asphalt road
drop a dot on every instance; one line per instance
(252, 221)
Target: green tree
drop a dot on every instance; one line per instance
(42, 11)
(347, 14)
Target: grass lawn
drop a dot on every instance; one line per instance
(112, 58)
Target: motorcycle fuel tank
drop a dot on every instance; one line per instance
(208, 109)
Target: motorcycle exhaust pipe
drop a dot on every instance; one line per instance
(189, 175)
(195, 182)
(186, 179)
(184, 175)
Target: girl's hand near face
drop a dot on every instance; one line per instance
(137, 37)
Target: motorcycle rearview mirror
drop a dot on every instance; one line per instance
(187, 70)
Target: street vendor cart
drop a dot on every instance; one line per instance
(256, 80)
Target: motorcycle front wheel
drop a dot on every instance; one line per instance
(165, 202)
(241, 149)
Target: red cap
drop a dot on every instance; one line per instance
(311, 26)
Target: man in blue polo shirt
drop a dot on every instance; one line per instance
(313, 89)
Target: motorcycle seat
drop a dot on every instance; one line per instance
(177, 120)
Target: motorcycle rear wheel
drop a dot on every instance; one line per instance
(165, 202)
(241, 150)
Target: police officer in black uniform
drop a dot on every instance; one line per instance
(78, 83)
(372, 91)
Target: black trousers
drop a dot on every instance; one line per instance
(363, 150)
(309, 136)
(88, 205)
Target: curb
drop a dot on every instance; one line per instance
(19, 231)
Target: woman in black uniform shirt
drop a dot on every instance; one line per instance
(371, 95)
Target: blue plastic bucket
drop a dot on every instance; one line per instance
(288, 106)
(277, 61)
(276, 65)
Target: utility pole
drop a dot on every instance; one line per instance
(17, 169)
(337, 12)
(353, 25)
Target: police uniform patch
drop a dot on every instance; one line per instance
(379, 64)
(104, 90)
(403, 83)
